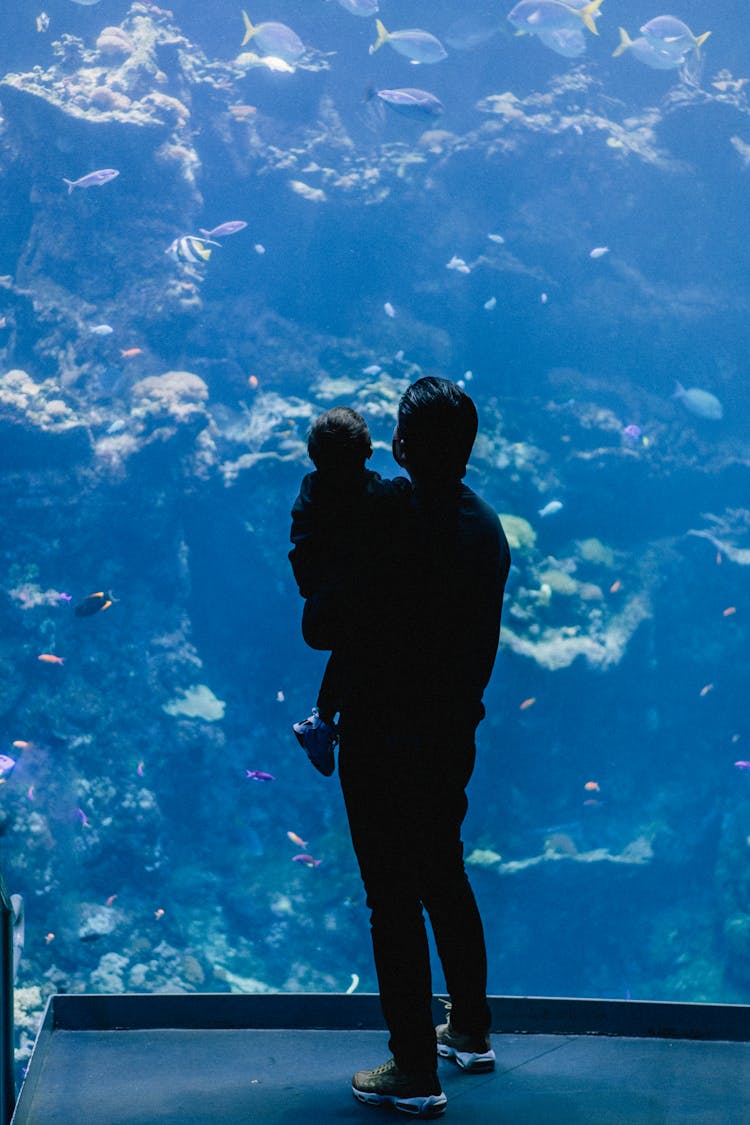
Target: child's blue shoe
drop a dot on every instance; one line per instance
(317, 739)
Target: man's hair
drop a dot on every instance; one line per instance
(339, 441)
(437, 422)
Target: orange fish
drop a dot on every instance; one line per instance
(297, 840)
(706, 689)
(729, 611)
(110, 900)
(254, 382)
(130, 352)
(19, 744)
(50, 658)
(158, 914)
(527, 703)
(592, 786)
(616, 585)
(49, 937)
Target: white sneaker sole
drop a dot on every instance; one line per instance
(468, 1060)
(431, 1106)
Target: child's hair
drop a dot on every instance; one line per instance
(339, 441)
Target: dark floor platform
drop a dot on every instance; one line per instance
(205, 1060)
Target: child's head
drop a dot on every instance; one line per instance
(339, 441)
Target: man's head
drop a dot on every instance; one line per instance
(437, 425)
(339, 441)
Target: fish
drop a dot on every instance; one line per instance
(410, 102)
(7, 765)
(416, 45)
(490, 304)
(224, 229)
(728, 612)
(705, 690)
(190, 249)
(497, 238)
(273, 39)
(458, 264)
(65, 597)
(115, 427)
(259, 248)
(93, 603)
(550, 508)
(598, 251)
(86, 3)
(360, 7)
(616, 586)
(50, 936)
(469, 32)
(389, 310)
(139, 769)
(85, 822)
(592, 786)
(307, 860)
(128, 353)
(110, 900)
(50, 658)
(566, 41)
(42, 22)
(101, 330)
(527, 703)
(259, 775)
(22, 745)
(253, 381)
(315, 195)
(742, 765)
(632, 432)
(373, 369)
(534, 16)
(159, 913)
(701, 403)
(645, 52)
(92, 179)
(672, 36)
(297, 840)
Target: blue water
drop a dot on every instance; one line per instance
(625, 636)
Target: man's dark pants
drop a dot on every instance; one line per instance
(405, 799)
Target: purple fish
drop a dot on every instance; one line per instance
(307, 860)
(632, 432)
(93, 179)
(742, 765)
(224, 229)
(259, 775)
(6, 765)
(65, 597)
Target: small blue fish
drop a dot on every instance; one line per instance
(535, 16)
(224, 229)
(274, 39)
(410, 102)
(93, 179)
(551, 508)
(668, 34)
(418, 46)
(258, 775)
(701, 403)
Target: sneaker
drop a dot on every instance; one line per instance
(317, 739)
(471, 1052)
(414, 1092)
